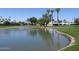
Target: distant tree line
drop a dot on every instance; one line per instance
(8, 21)
(43, 21)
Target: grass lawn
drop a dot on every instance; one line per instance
(6, 27)
(73, 30)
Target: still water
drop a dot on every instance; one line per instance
(28, 39)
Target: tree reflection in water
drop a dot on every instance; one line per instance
(33, 33)
(56, 37)
(44, 34)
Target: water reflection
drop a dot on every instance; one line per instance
(45, 35)
(57, 38)
(32, 39)
(33, 32)
(49, 36)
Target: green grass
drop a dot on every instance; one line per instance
(36, 27)
(73, 30)
(6, 27)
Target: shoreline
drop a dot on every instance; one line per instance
(8, 27)
(71, 39)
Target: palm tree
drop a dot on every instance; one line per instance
(43, 15)
(52, 11)
(50, 17)
(9, 18)
(1, 18)
(48, 11)
(6, 19)
(57, 10)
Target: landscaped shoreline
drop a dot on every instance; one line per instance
(71, 39)
(68, 32)
(73, 31)
(7, 27)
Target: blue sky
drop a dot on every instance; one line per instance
(21, 14)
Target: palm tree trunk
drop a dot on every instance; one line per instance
(52, 16)
(58, 18)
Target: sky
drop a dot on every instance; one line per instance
(21, 14)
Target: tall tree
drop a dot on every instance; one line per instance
(76, 21)
(33, 20)
(48, 11)
(44, 20)
(1, 18)
(57, 10)
(50, 17)
(9, 18)
(52, 11)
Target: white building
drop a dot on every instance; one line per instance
(62, 23)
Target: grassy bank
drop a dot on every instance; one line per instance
(6, 27)
(73, 31)
(30, 26)
(36, 27)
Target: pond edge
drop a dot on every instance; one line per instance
(71, 39)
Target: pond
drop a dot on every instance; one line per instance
(29, 39)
